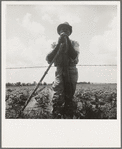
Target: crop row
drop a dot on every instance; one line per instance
(88, 103)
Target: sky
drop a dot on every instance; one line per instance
(32, 28)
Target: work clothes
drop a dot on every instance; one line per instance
(66, 75)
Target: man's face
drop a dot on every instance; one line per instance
(65, 30)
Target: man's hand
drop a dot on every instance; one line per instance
(62, 38)
(63, 34)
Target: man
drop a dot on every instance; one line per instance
(66, 74)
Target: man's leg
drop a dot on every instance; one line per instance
(58, 97)
(74, 78)
(69, 105)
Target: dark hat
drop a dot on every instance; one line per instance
(66, 24)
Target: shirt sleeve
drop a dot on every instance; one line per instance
(75, 45)
(53, 45)
(51, 54)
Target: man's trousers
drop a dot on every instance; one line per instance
(62, 95)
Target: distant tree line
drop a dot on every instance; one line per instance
(24, 84)
(35, 83)
(83, 83)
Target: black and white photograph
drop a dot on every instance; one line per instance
(61, 66)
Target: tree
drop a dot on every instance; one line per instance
(44, 83)
(18, 84)
(34, 83)
(23, 84)
(9, 84)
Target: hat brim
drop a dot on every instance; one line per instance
(62, 25)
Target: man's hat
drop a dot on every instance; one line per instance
(66, 24)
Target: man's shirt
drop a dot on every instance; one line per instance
(72, 62)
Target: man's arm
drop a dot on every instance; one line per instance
(72, 49)
(51, 55)
(55, 47)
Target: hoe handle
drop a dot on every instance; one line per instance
(26, 103)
